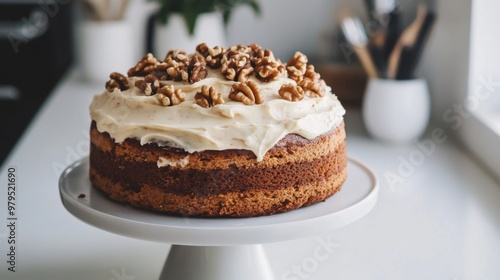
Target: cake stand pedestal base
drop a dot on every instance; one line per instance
(218, 249)
(246, 262)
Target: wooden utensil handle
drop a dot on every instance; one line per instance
(366, 61)
(393, 63)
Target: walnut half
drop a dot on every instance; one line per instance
(117, 80)
(208, 97)
(297, 66)
(246, 92)
(175, 65)
(291, 92)
(212, 56)
(168, 96)
(197, 68)
(149, 85)
(312, 84)
(146, 65)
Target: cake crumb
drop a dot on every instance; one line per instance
(162, 162)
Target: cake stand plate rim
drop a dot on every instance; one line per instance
(357, 198)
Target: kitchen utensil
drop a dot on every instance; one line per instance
(89, 9)
(123, 9)
(113, 9)
(117, 9)
(100, 8)
(404, 72)
(410, 57)
(355, 34)
(384, 6)
(392, 32)
(379, 9)
(407, 38)
(370, 8)
(380, 14)
(377, 54)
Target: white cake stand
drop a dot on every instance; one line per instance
(223, 248)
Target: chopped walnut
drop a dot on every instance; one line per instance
(246, 92)
(197, 69)
(177, 55)
(161, 71)
(255, 49)
(174, 66)
(176, 70)
(117, 80)
(249, 50)
(149, 86)
(208, 97)
(296, 66)
(146, 65)
(291, 92)
(168, 96)
(212, 56)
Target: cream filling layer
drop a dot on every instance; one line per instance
(232, 125)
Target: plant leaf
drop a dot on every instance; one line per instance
(192, 9)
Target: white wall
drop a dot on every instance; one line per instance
(485, 52)
(284, 26)
(480, 128)
(445, 62)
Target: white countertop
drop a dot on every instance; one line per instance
(439, 217)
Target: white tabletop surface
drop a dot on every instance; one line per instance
(438, 217)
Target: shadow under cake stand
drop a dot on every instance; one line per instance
(221, 248)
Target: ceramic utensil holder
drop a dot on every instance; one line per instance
(106, 46)
(396, 111)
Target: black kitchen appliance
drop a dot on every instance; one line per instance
(36, 49)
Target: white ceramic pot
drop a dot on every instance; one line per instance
(396, 111)
(209, 29)
(106, 46)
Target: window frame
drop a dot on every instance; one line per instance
(481, 126)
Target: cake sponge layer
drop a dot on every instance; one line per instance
(296, 172)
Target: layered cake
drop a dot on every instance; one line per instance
(218, 132)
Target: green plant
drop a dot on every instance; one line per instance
(191, 9)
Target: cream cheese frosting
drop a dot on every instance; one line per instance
(231, 125)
